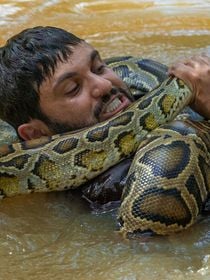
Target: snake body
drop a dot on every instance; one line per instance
(168, 187)
(66, 161)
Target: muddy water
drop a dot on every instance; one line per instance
(55, 236)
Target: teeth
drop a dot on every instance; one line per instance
(113, 105)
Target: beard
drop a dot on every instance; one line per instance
(58, 127)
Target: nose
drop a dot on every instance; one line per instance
(100, 86)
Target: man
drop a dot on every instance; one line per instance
(52, 81)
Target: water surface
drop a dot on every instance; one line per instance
(55, 236)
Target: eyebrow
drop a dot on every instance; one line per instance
(68, 75)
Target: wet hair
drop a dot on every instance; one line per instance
(26, 60)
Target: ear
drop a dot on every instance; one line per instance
(33, 130)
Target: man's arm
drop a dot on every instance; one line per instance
(195, 72)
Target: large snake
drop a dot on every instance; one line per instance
(168, 182)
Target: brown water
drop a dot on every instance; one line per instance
(55, 236)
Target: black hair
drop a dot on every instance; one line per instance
(26, 60)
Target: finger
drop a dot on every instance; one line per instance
(191, 62)
(183, 72)
(197, 64)
(178, 68)
(205, 59)
(198, 61)
(194, 61)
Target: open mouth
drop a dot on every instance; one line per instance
(113, 105)
(116, 105)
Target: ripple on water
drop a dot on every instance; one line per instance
(6, 10)
(110, 6)
(56, 236)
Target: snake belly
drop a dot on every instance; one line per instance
(66, 161)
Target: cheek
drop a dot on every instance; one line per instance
(82, 106)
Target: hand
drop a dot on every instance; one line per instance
(195, 72)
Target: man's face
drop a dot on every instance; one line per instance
(83, 91)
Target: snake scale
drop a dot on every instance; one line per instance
(169, 179)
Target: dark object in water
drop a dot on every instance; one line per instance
(106, 189)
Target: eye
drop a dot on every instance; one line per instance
(99, 67)
(73, 91)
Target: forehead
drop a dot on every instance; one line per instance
(80, 52)
(81, 55)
